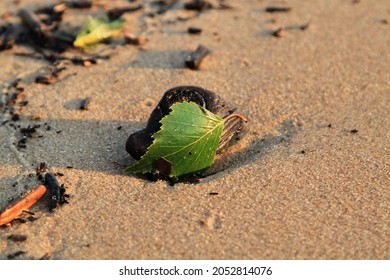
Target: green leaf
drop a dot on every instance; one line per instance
(95, 30)
(188, 140)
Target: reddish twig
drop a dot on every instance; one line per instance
(16, 208)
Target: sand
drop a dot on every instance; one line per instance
(309, 178)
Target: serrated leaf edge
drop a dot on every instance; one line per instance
(128, 169)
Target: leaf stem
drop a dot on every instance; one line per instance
(236, 116)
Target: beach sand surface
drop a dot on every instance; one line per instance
(308, 179)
